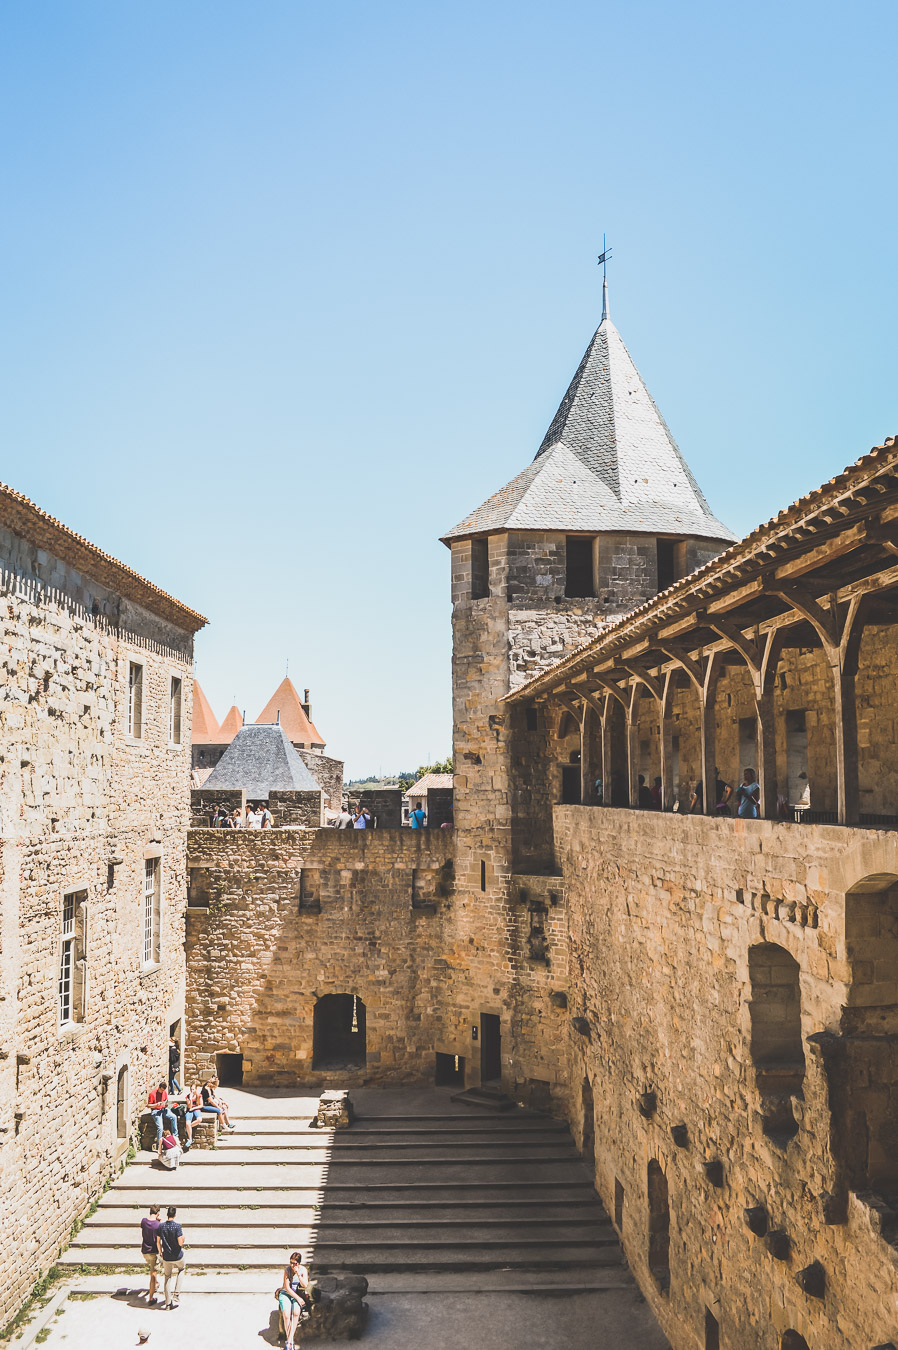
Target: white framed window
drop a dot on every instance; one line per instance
(174, 711)
(152, 911)
(72, 984)
(135, 699)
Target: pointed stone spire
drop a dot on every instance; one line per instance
(285, 706)
(204, 729)
(231, 725)
(607, 463)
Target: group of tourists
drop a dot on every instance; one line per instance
(197, 1103)
(256, 817)
(163, 1241)
(746, 799)
(355, 818)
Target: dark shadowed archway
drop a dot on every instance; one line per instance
(338, 1032)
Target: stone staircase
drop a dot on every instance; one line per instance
(502, 1200)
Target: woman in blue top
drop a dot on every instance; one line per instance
(748, 796)
(293, 1295)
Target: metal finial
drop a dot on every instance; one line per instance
(603, 260)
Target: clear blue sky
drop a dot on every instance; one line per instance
(289, 288)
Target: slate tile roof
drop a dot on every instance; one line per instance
(286, 701)
(260, 758)
(607, 463)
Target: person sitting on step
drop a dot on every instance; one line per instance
(293, 1297)
(215, 1105)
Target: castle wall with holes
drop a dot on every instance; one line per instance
(280, 919)
(85, 1004)
(738, 987)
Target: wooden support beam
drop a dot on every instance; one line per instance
(811, 559)
(736, 638)
(691, 667)
(651, 683)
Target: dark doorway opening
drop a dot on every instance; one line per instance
(338, 1036)
(229, 1070)
(589, 1124)
(579, 579)
(570, 784)
(792, 1340)
(490, 1048)
(659, 1226)
(712, 1331)
(450, 1070)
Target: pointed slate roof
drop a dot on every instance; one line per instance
(286, 701)
(230, 726)
(259, 759)
(607, 462)
(204, 728)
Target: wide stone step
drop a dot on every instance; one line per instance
(220, 1172)
(185, 1188)
(326, 1156)
(285, 1149)
(192, 1211)
(392, 1139)
(428, 1126)
(367, 1259)
(259, 1235)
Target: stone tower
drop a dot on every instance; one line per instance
(606, 515)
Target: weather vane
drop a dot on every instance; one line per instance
(603, 259)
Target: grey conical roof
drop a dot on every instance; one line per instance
(607, 462)
(259, 759)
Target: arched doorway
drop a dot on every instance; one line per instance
(777, 1049)
(338, 1032)
(121, 1103)
(589, 1124)
(792, 1340)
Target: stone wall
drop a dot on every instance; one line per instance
(328, 774)
(385, 805)
(293, 915)
(82, 806)
(204, 801)
(664, 913)
(296, 810)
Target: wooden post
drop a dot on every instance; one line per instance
(766, 756)
(587, 765)
(848, 793)
(665, 730)
(633, 744)
(709, 733)
(607, 752)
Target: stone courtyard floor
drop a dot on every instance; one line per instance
(412, 1306)
(613, 1320)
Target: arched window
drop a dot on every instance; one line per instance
(659, 1226)
(121, 1103)
(777, 1049)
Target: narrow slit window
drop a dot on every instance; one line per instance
(72, 984)
(667, 569)
(480, 569)
(135, 699)
(482, 875)
(174, 711)
(579, 580)
(152, 911)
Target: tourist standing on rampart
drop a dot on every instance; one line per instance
(748, 796)
(417, 819)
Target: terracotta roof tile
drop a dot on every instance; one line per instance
(230, 726)
(206, 730)
(297, 726)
